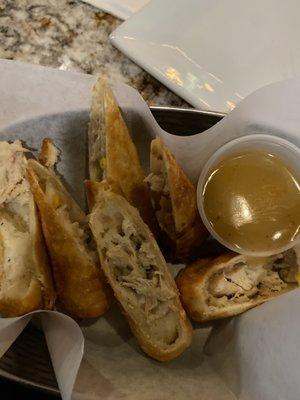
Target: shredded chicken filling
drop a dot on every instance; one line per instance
(242, 281)
(12, 169)
(15, 240)
(161, 200)
(134, 269)
(79, 228)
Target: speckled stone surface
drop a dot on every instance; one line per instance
(72, 35)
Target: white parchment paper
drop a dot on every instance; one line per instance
(272, 110)
(254, 356)
(64, 340)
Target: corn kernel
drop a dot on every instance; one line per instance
(297, 277)
(56, 202)
(103, 163)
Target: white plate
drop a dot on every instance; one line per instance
(213, 53)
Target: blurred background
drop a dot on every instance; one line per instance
(72, 35)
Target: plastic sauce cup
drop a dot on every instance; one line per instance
(289, 154)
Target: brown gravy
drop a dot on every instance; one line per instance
(252, 200)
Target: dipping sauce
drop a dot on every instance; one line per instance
(252, 201)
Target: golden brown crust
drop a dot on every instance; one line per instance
(43, 268)
(78, 280)
(94, 190)
(186, 231)
(154, 351)
(49, 153)
(15, 307)
(122, 161)
(149, 344)
(192, 273)
(182, 192)
(192, 282)
(25, 278)
(40, 293)
(96, 131)
(190, 239)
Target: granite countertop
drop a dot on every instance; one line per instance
(71, 35)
